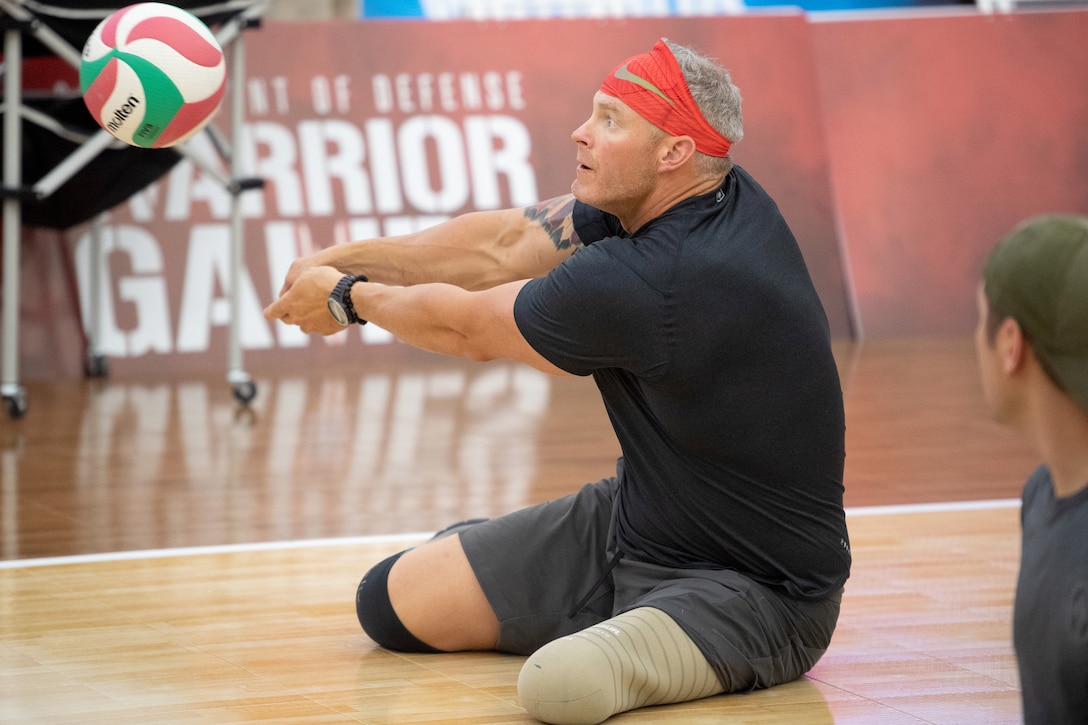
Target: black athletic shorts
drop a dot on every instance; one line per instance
(551, 570)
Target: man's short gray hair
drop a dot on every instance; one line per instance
(717, 97)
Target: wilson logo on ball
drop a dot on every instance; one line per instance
(152, 75)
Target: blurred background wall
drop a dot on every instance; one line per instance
(900, 144)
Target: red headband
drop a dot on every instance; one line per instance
(654, 87)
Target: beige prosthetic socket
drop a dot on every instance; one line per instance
(638, 658)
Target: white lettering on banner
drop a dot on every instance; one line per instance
(457, 430)
(175, 197)
(257, 103)
(336, 167)
(144, 289)
(205, 292)
(427, 162)
(447, 92)
(383, 165)
(277, 165)
(281, 248)
(143, 203)
(487, 163)
(320, 167)
(206, 271)
(381, 175)
(331, 96)
(267, 95)
(419, 135)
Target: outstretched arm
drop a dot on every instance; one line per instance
(434, 316)
(449, 289)
(474, 251)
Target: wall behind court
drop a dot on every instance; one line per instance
(898, 149)
(943, 133)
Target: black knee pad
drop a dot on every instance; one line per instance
(376, 614)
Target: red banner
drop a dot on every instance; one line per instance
(944, 132)
(913, 142)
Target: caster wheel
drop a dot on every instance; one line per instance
(15, 404)
(96, 366)
(244, 392)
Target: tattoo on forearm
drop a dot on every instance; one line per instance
(556, 217)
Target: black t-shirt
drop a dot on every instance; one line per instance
(1050, 617)
(712, 353)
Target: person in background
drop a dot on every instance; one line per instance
(1032, 347)
(713, 559)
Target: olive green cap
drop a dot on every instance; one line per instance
(1038, 275)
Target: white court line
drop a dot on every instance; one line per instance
(224, 549)
(409, 538)
(927, 508)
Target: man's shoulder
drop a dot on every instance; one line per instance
(1038, 488)
(593, 225)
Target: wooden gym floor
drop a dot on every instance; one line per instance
(168, 558)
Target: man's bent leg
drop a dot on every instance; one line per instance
(376, 614)
(427, 596)
(636, 659)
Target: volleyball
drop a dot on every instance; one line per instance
(152, 74)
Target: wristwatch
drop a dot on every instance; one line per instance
(341, 307)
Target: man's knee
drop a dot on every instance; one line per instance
(376, 613)
(638, 658)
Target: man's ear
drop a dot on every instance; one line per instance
(675, 152)
(1011, 345)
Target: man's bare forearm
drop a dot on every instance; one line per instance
(474, 251)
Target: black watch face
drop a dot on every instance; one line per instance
(338, 312)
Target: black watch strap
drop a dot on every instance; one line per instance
(344, 287)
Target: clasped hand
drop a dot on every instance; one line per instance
(303, 301)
